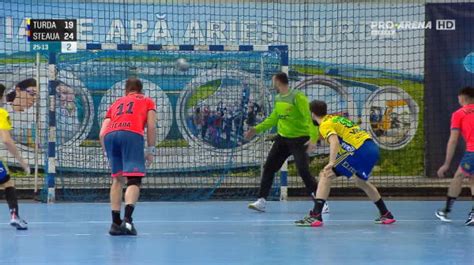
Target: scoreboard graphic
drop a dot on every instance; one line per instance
(52, 35)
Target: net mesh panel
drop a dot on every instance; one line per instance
(374, 80)
(205, 101)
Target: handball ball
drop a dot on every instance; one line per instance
(182, 64)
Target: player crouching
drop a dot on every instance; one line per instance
(352, 152)
(122, 138)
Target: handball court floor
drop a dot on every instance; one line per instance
(228, 233)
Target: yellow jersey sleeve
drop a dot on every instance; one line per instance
(326, 129)
(5, 123)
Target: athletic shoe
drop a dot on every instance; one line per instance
(310, 220)
(18, 223)
(442, 215)
(128, 229)
(116, 230)
(259, 205)
(325, 208)
(385, 219)
(470, 219)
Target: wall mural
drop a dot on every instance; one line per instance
(207, 100)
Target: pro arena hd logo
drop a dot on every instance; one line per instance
(445, 24)
(390, 28)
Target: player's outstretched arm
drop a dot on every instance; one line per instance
(11, 147)
(450, 150)
(270, 122)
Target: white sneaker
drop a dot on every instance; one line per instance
(18, 223)
(442, 215)
(470, 219)
(325, 208)
(259, 205)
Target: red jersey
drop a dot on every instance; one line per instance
(463, 120)
(129, 113)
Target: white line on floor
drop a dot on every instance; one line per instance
(222, 221)
(199, 233)
(226, 233)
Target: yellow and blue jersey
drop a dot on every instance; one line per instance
(358, 154)
(351, 136)
(5, 124)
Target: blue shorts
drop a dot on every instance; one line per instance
(126, 154)
(359, 163)
(4, 177)
(467, 164)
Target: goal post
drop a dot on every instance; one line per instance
(204, 163)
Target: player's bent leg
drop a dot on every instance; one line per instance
(275, 159)
(455, 187)
(386, 216)
(301, 158)
(324, 186)
(133, 190)
(131, 197)
(134, 170)
(368, 188)
(12, 201)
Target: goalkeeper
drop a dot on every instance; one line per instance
(297, 136)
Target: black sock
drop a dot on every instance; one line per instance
(10, 196)
(449, 204)
(381, 206)
(318, 206)
(313, 197)
(128, 212)
(116, 217)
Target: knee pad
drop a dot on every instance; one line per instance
(137, 181)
